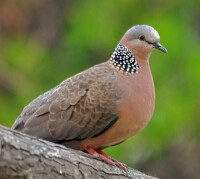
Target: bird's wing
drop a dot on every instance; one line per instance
(82, 106)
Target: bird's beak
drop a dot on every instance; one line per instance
(158, 46)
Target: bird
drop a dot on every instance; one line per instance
(103, 105)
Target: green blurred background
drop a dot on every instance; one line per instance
(44, 42)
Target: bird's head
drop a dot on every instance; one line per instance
(142, 40)
(135, 48)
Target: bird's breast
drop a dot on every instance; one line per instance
(137, 104)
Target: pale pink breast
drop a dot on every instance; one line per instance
(137, 105)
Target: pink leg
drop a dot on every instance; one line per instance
(119, 164)
(94, 153)
(104, 157)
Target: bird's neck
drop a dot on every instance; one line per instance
(123, 60)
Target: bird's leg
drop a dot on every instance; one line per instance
(119, 164)
(104, 157)
(94, 153)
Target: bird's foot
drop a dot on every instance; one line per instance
(104, 157)
(119, 164)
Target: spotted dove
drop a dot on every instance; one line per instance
(102, 106)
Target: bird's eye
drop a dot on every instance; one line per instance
(141, 37)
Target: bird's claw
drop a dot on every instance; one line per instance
(104, 157)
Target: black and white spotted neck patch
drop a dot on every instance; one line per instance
(123, 59)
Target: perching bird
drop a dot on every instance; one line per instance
(102, 106)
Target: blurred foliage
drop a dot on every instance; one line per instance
(44, 42)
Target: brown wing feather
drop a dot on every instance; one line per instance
(80, 107)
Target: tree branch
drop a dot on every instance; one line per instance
(23, 156)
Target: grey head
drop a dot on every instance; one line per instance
(144, 35)
(136, 45)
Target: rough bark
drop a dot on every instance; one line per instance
(23, 156)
